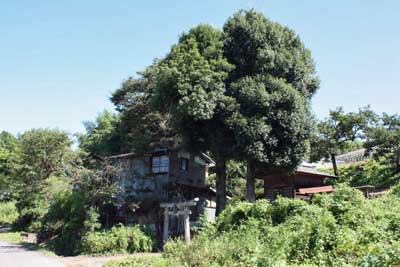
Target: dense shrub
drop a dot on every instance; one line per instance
(339, 229)
(119, 239)
(63, 224)
(8, 213)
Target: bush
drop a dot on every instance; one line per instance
(63, 224)
(119, 239)
(8, 213)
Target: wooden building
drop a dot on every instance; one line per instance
(165, 175)
(305, 181)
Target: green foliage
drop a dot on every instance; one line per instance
(9, 156)
(339, 229)
(384, 255)
(272, 123)
(384, 140)
(8, 213)
(142, 127)
(43, 153)
(256, 45)
(142, 261)
(119, 239)
(102, 136)
(341, 132)
(375, 172)
(13, 237)
(63, 222)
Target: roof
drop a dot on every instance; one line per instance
(120, 156)
(309, 170)
(352, 157)
(207, 158)
(315, 190)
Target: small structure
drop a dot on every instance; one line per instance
(305, 181)
(177, 210)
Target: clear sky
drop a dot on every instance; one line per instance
(60, 60)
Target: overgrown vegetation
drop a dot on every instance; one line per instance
(142, 261)
(241, 93)
(8, 213)
(341, 229)
(374, 172)
(118, 239)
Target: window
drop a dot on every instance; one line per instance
(184, 164)
(160, 164)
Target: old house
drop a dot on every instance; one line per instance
(165, 175)
(304, 182)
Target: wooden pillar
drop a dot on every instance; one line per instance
(187, 225)
(166, 225)
(335, 169)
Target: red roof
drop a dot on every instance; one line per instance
(315, 190)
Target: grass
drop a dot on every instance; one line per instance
(142, 261)
(11, 237)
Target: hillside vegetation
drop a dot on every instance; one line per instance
(375, 172)
(341, 229)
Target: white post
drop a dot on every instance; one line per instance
(187, 226)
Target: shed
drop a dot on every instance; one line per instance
(304, 181)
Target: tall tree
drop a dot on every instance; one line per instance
(384, 140)
(43, 153)
(190, 85)
(340, 132)
(103, 136)
(271, 83)
(142, 127)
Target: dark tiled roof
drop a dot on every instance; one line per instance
(352, 157)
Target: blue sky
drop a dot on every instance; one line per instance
(60, 60)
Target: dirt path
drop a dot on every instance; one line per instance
(17, 256)
(12, 255)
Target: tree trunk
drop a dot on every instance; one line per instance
(220, 171)
(335, 169)
(250, 183)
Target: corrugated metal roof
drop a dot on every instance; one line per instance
(313, 171)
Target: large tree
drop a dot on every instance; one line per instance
(272, 80)
(43, 153)
(103, 136)
(190, 85)
(142, 127)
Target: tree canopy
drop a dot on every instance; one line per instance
(383, 140)
(272, 80)
(341, 132)
(103, 136)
